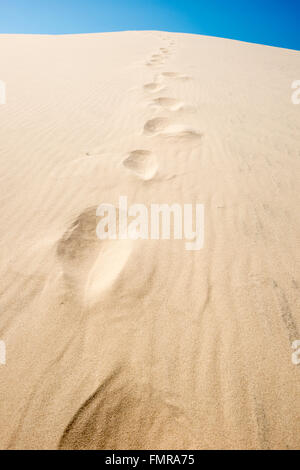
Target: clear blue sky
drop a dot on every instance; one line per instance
(273, 22)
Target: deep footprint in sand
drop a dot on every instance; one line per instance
(165, 127)
(142, 163)
(90, 265)
(168, 103)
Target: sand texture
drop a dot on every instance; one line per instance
(141, 344)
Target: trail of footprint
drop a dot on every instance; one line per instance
(142, 163)
(90, 265)
(156, 59)
(165, 127)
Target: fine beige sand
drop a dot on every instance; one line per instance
(123, 344)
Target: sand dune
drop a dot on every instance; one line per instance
(141, 344)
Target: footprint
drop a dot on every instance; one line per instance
(165, 127)
(156, 125)
(153, 87)
(168, 103)
(156, 59)
(156, 62)
(176, 75)
(170, 74)
(184, 78)
(143, 163)
(90, 265)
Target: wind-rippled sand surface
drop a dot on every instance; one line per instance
(121, 344)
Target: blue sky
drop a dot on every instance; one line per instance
(272, 22)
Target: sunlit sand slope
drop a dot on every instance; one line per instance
(142, 344)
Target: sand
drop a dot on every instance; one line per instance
(122, 344)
